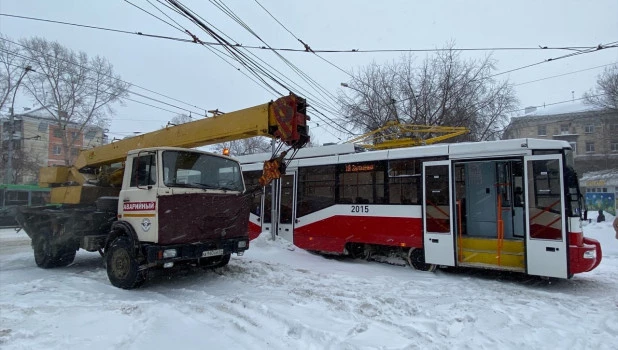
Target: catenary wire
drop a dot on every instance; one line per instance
(355, 51)
(118, 79)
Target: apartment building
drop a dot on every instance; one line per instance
(37, 141)
(592, 133)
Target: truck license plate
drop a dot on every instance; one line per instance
(208, 253)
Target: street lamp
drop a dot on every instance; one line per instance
(9, 164)
(388, 104)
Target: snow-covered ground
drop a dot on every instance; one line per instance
(278, 297)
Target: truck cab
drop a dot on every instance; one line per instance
(177, 206)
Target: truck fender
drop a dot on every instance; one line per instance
(122, 228)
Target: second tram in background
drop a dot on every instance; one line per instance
(510, 205)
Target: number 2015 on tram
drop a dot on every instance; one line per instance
(511, 205)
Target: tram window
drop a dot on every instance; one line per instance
(361, 183)
(545, 203)
(251, 181)
(17, 198)
(404, 178)
(404, 190)
(316, 189)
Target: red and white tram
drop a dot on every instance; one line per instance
(509, 205)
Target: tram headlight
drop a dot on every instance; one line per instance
(590, 254)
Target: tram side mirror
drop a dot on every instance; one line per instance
(585, 215)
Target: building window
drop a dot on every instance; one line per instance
(74, 151)
(614, 147)
(57, 150)
(74, 135)
(589, 147)
(542, 130)
(43, 127)
(90, 134)
(58, 133)
(589, 129)
(564, 129)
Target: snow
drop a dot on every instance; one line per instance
(573, 107)
(279, 297)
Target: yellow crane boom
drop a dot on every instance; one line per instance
(284, 119)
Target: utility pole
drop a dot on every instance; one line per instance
(9, 164)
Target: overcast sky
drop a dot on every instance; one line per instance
(195, 75)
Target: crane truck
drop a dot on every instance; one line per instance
(152, 201)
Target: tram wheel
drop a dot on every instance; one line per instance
(416, 259)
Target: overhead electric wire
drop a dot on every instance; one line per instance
(196, 22)
(311, 82)
(598, 48)
(129, 91)
(153, 15)
(239, 56)
(554, 103)
(117, 79)
(105, 92)
(581, 52)
(320, 90)
(230, 13)
(537, 48)
(561, 75)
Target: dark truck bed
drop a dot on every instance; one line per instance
(76, 226)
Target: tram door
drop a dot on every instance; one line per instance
(438, 239)
(287, 207)
(546, 240)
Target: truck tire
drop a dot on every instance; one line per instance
(42, 247)
(48, 256)
(224, 261)
(65, 257)
(213, 263)
(122, 266)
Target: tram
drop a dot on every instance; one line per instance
(12, 196)
(512, 205)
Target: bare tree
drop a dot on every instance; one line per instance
(76, 91)
(245, 146)
(26, 162)
(605, 94)
(180, 118)
(443, 90)
(11, 66)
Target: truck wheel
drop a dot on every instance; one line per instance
(122, 267)
(213, 263)
(225, 259)
(65, 257)
(43, 252)
(416, 259)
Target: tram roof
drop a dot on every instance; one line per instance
(342, 153)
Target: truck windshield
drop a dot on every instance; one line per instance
(199, 170)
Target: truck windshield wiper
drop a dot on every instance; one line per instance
(191, 185)
(203, 186)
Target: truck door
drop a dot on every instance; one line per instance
(287, 206)
(438, 235)
(546, 241)
(138, 198)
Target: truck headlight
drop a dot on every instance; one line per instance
(242, 244)
(590, 254)
(169, 253)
